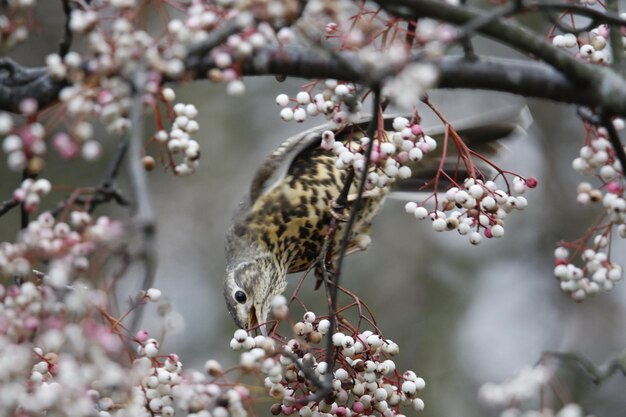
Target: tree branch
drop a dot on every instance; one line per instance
(18, 83)
(143, 219)
(66, 40)
(501, 30)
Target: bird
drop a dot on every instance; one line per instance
(281, 224)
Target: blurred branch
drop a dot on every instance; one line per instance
(503, 31)
(615, 37)
(597, 374)
(607, 122)
(107, 190)
(18, 83)
(215, 38)
(7, 205)
(66, 40)
(143, 220)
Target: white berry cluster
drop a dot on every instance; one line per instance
(159, 379)
(597, 272)
(568, 410)
(523, 386)
(475, 209)
(178, 140)
(390, 158)
(24, 146)
(338, 102)
(67, 246)
(590, 46)
(210, 393)
(30, 192)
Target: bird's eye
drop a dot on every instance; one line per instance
(240, 296)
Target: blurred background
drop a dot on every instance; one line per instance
(462, 315)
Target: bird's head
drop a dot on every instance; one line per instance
(249, 288)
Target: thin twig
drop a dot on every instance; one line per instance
(106, 190)
(356, 207)
(607, 122)
(7, 205)
(473, 26)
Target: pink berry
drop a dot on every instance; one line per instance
(531, 182)
(613, 187)
(417, 130)
(141, 336)
(358, 407)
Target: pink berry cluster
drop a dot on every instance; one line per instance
(57, 358)
(597, 272)
(30, 192)
(67, 246)
(364, 380)
(337, 102)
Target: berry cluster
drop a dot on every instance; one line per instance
(391, 157)
(24, 146)
(475, 208)
(15, 22)
(568, 410)
(598, 272)
(30, 192)
(160, 377)
(338, 102)
(597, 158)
(178, 139)
(591, 46)
(57, 358)
(523, 386)
(363, 380)
(67, 246)
(476, 205)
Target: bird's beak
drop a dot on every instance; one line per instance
(254, 320)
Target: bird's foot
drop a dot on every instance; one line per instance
(337, 211)
(323, 271)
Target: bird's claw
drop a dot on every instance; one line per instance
(336, 210)
(320, 271)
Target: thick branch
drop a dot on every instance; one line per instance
(524, 78)
(501, 30)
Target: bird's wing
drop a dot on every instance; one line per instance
(479, 132)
